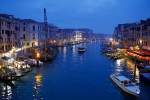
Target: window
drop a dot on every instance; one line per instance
(24, 37)
(16, 28)
(8, 25)
(2, 31)
(34, 36)
(33, 28)
(2, 23)
(24, 29)
(28, 44)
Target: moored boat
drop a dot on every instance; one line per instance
(145, 77)
(146, 69)
(145, 74)
(125, 84)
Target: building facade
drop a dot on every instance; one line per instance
(19, 33)
(27, 33)
(8, 33)
(133, 34)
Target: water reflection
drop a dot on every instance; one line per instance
(74, 53)
(81, 59)
(37, 86)
(6, 91)
(119, 66)
(82, 77)
(126, 66)
(131, 67)
(64, 51)
(74, 50)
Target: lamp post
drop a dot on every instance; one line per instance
(37, 57)
(141, 41)
(135, 68)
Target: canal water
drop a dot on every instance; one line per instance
(73, 76)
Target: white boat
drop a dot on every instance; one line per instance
(126, 84)
(81, 49)
(33, 62)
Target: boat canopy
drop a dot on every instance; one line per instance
(122, 78)
(147, 67)
(7, 59)
(146, 75)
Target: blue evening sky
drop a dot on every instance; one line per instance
(100, 15)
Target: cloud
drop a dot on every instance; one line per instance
(100, 15)
(93, 5)
(78, 6)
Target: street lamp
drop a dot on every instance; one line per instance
(141, 41)
(110, 39)
(38, 57)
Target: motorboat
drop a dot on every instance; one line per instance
(81, 49)
(17, 72)
(128, 86)
(33, 62)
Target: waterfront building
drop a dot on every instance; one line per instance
(8, 33)
(65, 36)
(133, 34)
(124, 34)
(27, 33)
(145, 34)
(73, 35)
(22, 33)
(78, 36)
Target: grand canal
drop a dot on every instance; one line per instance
(73, 76)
